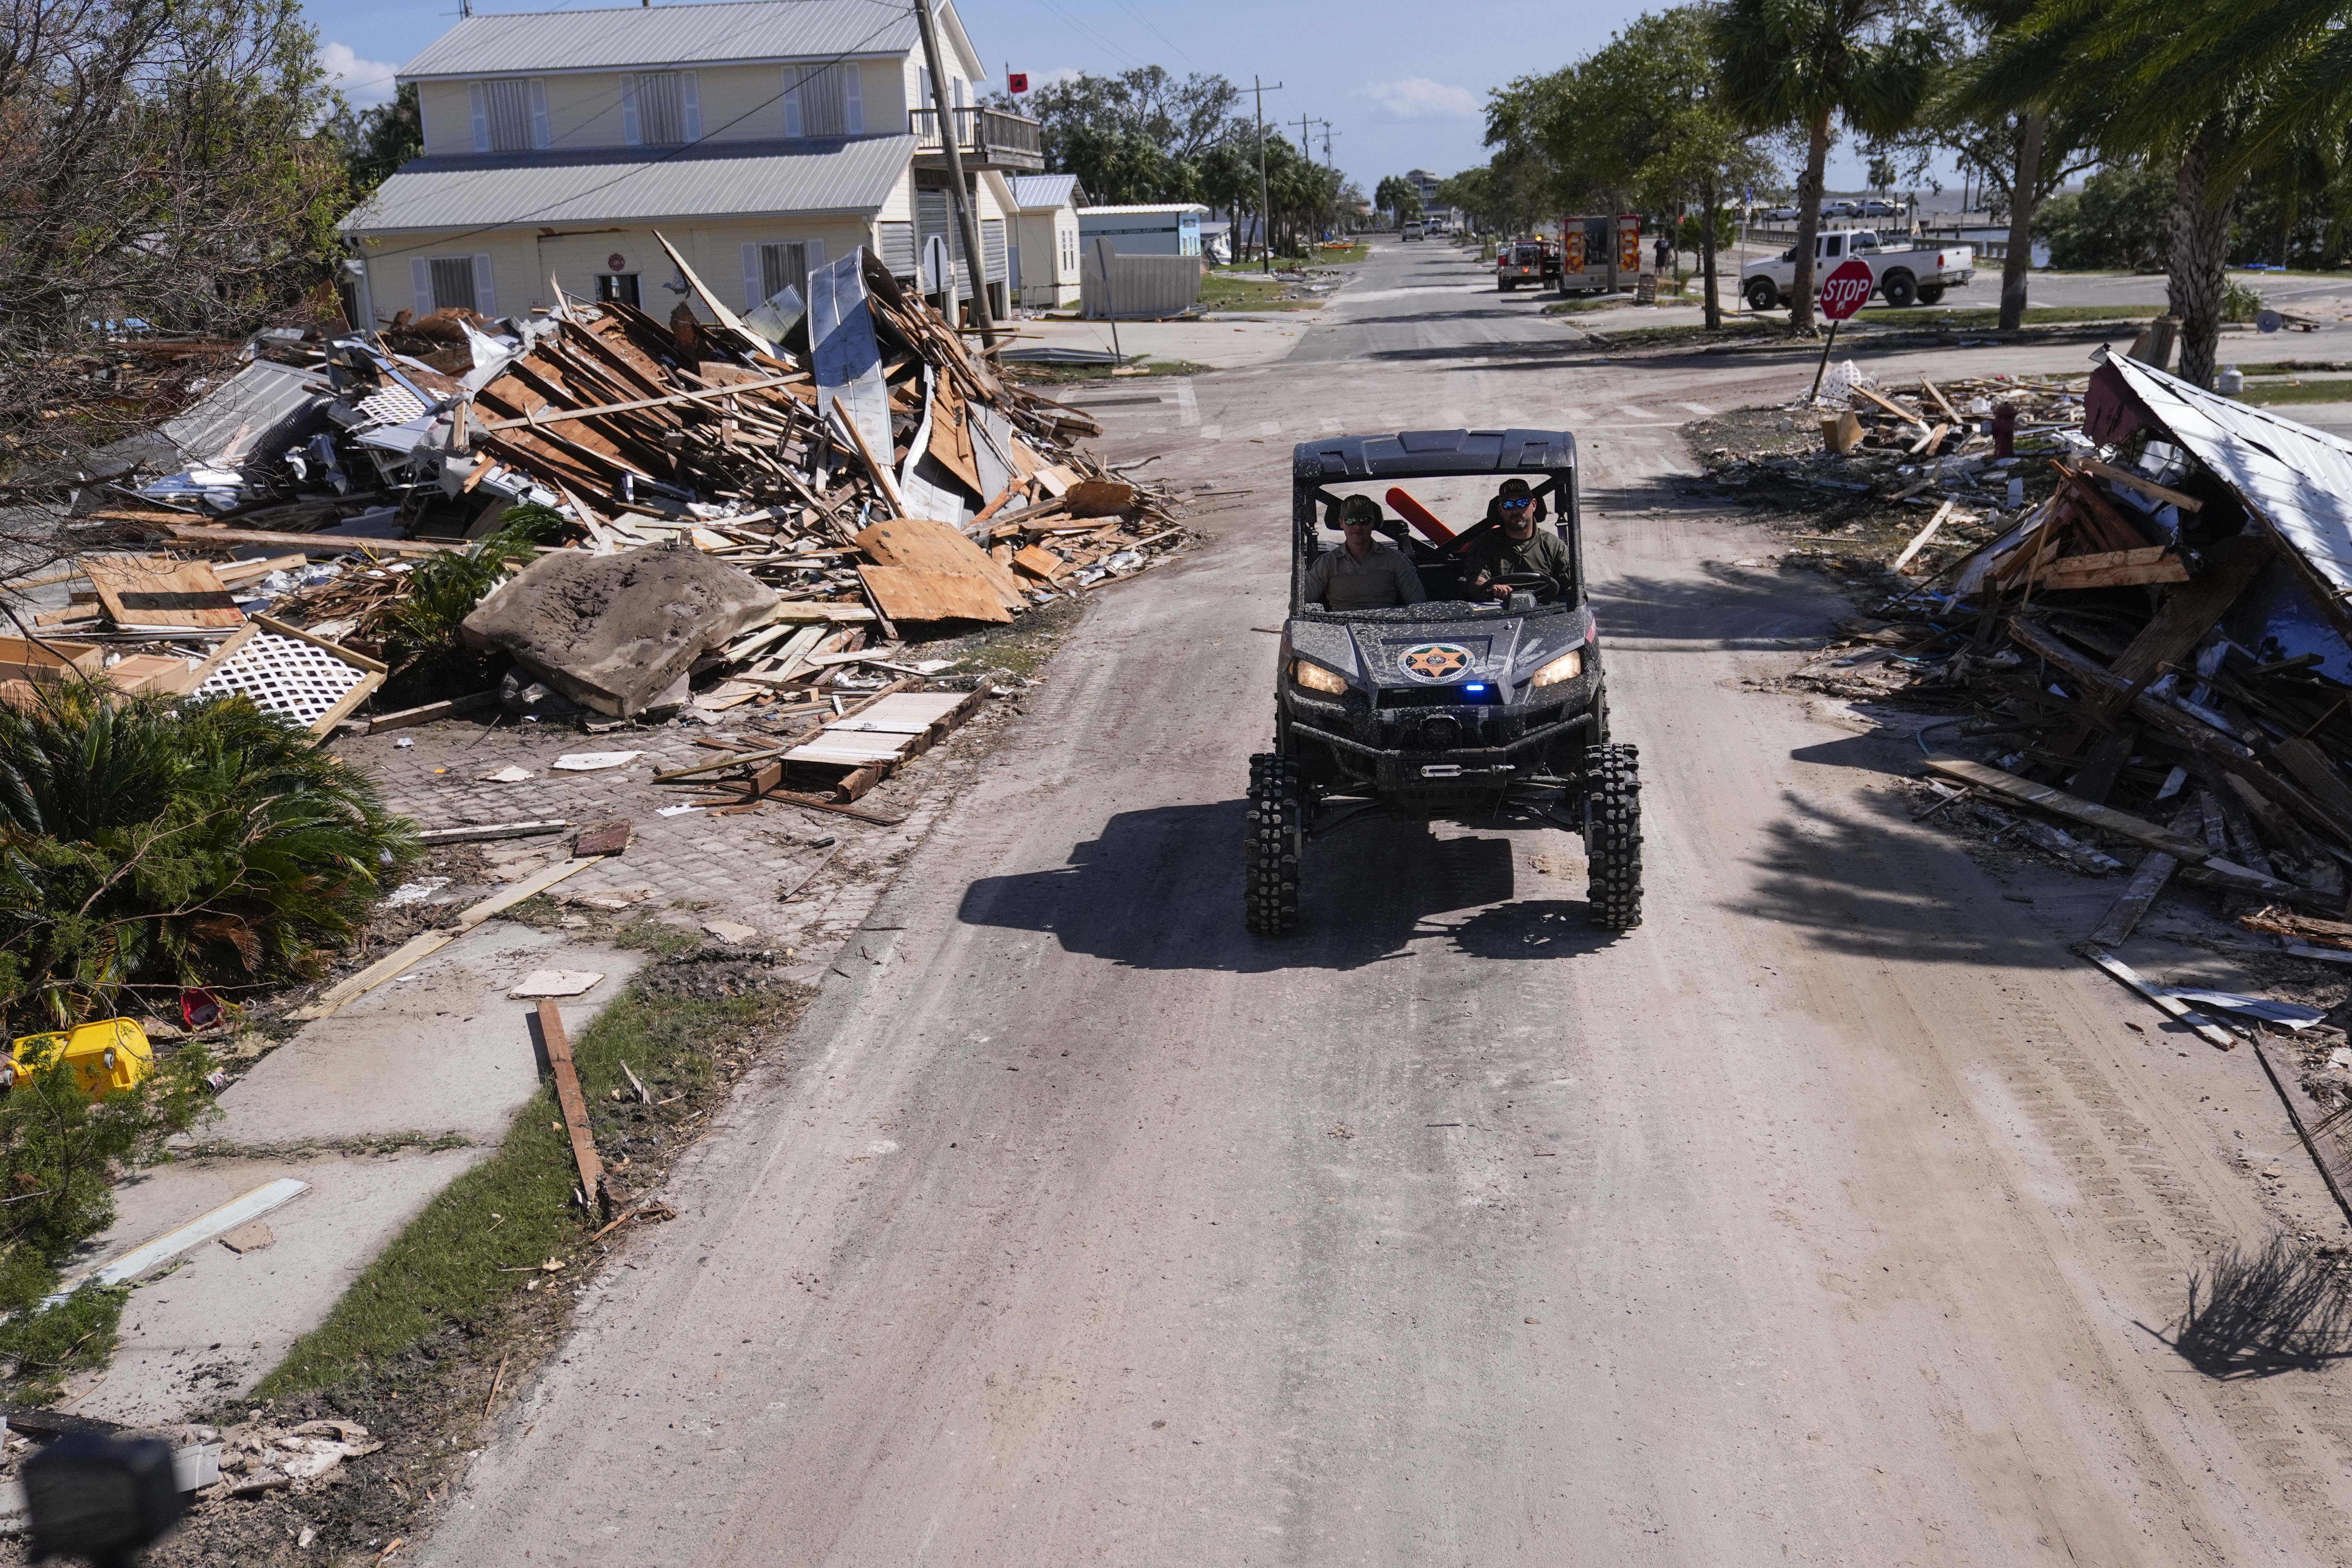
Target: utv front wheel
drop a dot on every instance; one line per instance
(1613, 837)
(1271, 854)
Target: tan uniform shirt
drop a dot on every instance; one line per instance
(1383, 579)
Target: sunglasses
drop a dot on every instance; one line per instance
(1517, 503)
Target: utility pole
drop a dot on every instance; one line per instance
(966, 224)
(1265, 218)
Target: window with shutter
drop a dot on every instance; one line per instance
(853, 100)
(821, 100)
(539, 137)
(629, 129)
(690, 100)
(783, 267)
(453, 283)
(661, 109)
(507, 107)
(481, 117)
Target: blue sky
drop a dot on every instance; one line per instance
(1403, 85)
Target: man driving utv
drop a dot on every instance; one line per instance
(1516, 547)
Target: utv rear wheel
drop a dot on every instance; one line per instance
(1613, 837)
(1277, 834)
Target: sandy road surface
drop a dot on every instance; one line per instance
(1826, 1218)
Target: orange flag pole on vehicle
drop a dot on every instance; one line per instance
(1419, 516)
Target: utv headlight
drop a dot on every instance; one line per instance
(1567, 667)
(1315, 678)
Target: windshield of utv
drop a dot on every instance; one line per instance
(1447, 539)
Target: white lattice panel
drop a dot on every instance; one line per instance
(284, 674)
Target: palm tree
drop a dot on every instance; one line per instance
(2217, 90)
(1810, 63)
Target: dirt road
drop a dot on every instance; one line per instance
(1834, 1216)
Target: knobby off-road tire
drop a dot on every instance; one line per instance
(1613, 837)
(1272, 851)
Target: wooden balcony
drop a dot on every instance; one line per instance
(985, 139)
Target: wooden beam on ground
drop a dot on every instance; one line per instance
(2155, 869)
(1918, 541)
(2211, 1033)
(2115, 569)
(2147, 488)
(573, 1103)
(199, 536)
(1935, 395)
(535, 419)
(2193, 608)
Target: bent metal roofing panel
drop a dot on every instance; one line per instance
(2298, 478)
(704, 180)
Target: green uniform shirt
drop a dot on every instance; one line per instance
(1495, 554)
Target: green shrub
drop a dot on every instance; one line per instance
(2241, 301)
(153, 843)
(421, 627)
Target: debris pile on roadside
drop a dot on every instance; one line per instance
(1976, 443)
(850, 465)
(2157, 654)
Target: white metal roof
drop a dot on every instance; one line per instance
(732, 31)
(1033, 192)
(710, 180)
(1085, 213)
(2297, 478)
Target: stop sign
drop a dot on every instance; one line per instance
(1845, 289)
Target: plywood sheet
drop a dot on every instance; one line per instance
(917, 594)
(936, 547)
(154, 591)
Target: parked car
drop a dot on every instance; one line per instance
(1412, 229)
(1902, 275)
(1784, 214)
(1876, 208)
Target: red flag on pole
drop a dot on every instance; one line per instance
(1017, 81)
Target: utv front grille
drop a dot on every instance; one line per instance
(1472, 694)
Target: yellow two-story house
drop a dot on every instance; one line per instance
(760, 137)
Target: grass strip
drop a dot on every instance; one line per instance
(1989, 317)
(2338, 390)
(514, 1211)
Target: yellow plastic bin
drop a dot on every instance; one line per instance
(109, 1055)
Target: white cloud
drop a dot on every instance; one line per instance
(1418, 98)
(364, 82)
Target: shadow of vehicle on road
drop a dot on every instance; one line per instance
(2257, 1314)
(1162, 890)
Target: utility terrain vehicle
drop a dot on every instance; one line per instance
(1465, 709)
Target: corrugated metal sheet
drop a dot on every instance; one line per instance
(257, 413)
(1145, 287)
(1032, 192)
(853, 177)
(2298, 478)
(665, 36)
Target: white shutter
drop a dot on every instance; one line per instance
(791, 101)
(420, 283)
(539, 137)
(816, 256)
(693, 106)
(752, 299)
(481, 117)
(629, 110)
(486, 294)
(853, 104)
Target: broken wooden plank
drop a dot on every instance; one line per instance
(2115, 569)
(936, 547)
(451, 708)
(2057, 802)
(2211, 1033)
(2193, 608)
(539, 417)
(2155, 869)
(198, 536)
(1919, 540)
(2322, 1140)
(1891, 406)
(573, 1103)
(2147, 488)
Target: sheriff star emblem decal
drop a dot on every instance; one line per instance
(1435, 661)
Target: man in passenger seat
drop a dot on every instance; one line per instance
(1363, 573)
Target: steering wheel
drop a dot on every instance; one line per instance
(1535, 583)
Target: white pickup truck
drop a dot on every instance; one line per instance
(1901, 275)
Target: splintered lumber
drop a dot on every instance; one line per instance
(1039, 563)
(2211, 1033)
(331, 999)
(1891, 406)
(2147, 488)
(543, 416)
(1936, 395)
(2323, 1137)
(1919, 541)
(198, 535)
(155, 591)
(2155, 869)
(914, 593)
(575, 1104)
(2117, 569)
(2058, 802)
(2193, 608)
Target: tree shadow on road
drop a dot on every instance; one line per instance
(1162, 890)
(2260, 1313)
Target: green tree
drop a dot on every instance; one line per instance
(2118, 221)
(376, 141)
(1813, 63)
(1142, 131)
(1397, 197)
